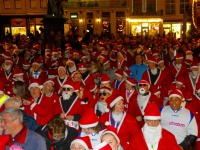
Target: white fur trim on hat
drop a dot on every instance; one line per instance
(18, 74)
(194, 67)
(82, 68)
(116, 100)
(48, 81)
(101, 145)
(107, 123)
(34, 85)
(81, 142)
(130, 83)
(152, 117)
(104, 82)
(89, 125)
(106, 62)
(175, 95)
(118, 74)
(9, 61)
(36, 63)
(117, 138)
(161, 61)
(67, 86)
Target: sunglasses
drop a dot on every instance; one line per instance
(104, 94)
(68, 89)
(140, 85)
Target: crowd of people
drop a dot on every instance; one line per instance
(100, 93)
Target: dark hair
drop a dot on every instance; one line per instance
(21, 89)
(98, 127)
(56, 125)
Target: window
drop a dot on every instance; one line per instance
(170, 7)
(137, 7)
(105, 14)
(184, 6)
(151, 6)
(144, 6)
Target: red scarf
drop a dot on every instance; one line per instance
(51, 138)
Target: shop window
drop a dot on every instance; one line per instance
(136, 29)
(170, 7)
(18, 30)
(120, 14)
(184, 6)
(105, 26)
(7, 30)
(105, 14)
(89, 15)
(120, 25)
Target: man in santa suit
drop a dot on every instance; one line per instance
(70, 66)
(69, 105)
(118, 84)
(179, 121)
(121, 60)
(87, 78)
(138, 104)
(178, 67)
(153, 75)
(38, 105)
(193, 78)
(152, 136)
(6, 73)
(129, 92)
(37, 72)
(60, 79)
(17, 60)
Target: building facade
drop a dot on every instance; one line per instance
(142, 17)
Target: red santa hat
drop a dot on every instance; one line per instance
(2, 85)
(151, 59)
(159, 60)
(75, 52)
(103, 56)
(106, 61)
(131, 81)
(144, 82)
(105, 89)
(92, 87)
(55, 51)
(194, 65)
(26, 64)
(84, 141)
(68, 46)
(188, 52)
(34, 83)
(68, 84)
(102, 146)
(187, 95)
(179, 56)
(122, 54)
(119, 72)
(38, 61)
(4, 139)
(105, 79)
(127, 73)
(111, 130)
(9, 60)
(89, 119)
(6, 54)
(82, 66)
(188, 62)
(70, 59)
(176, 93)
(48, 81)
(152, 112)
(18, 72)
(180, 80)
(113, 99)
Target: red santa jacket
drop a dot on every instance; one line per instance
(136, 111)
(122, 65)
(126, 128)
(18, 61)
(189, 84)
(41, 77)
(40, 110)
(167, 142)
(88, 80)
(121, 86)
(6, 78)
(58, 84)
(174, 72)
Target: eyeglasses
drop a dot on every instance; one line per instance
(104, 94)
(68, 89)
(140, 85)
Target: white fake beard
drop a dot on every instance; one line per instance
(178, 66)
(101, 106)
(72, 68)
(152, 135)
(7, 67)
(117, 117)
(54, 58)
(66, 96)
(154, 71)
(189, 57)
(142, 91)
(141, 99)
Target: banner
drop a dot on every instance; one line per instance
(18, 22)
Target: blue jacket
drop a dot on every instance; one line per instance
(137, 71)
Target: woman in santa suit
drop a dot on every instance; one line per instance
(126, 125)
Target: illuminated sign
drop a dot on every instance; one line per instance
(73, 16)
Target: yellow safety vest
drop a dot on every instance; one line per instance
(3, 99)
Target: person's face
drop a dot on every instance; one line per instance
(27, 55)
(152, 123)
(161, 65)
(82, 70)
(67, 90)
(92, 65)
(8, 63)
(111, 140)
(138, 59)
(175, 103)
(128, 86)
(77, 77)
(55, 55)
(106, 84)
(35, 92)
(88, 130)
(58, 136)
(119, 78)
(119, 56)
(35, 67)
(49, 87)
(179, 61)
(103, 95)
(145, 86)
(75, 55)
(119, 106)
(61, 72)
(77, 146)
(106, 66)
(16, 52)
(151, 64)
(70, 64)
(8, 124)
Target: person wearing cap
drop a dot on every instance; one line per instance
(70, 66)
(152, 136)
(103, 146)
(193, 78)
(95, 71)
(129, 92)
(179, 121)
(107, 69)
(137, 106)
(56, 134)
(76, 56)
(90, 126)
(94, 89)
(153, 74)
(111, 137)
(118, 84)
(60, 79)
(178, 67)
(81, 143)
(20, 136)
(101, 105)
(121, 60)
(38, 105)
(18, 61)
(69, 105)
(138, 68)
(117, 117)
